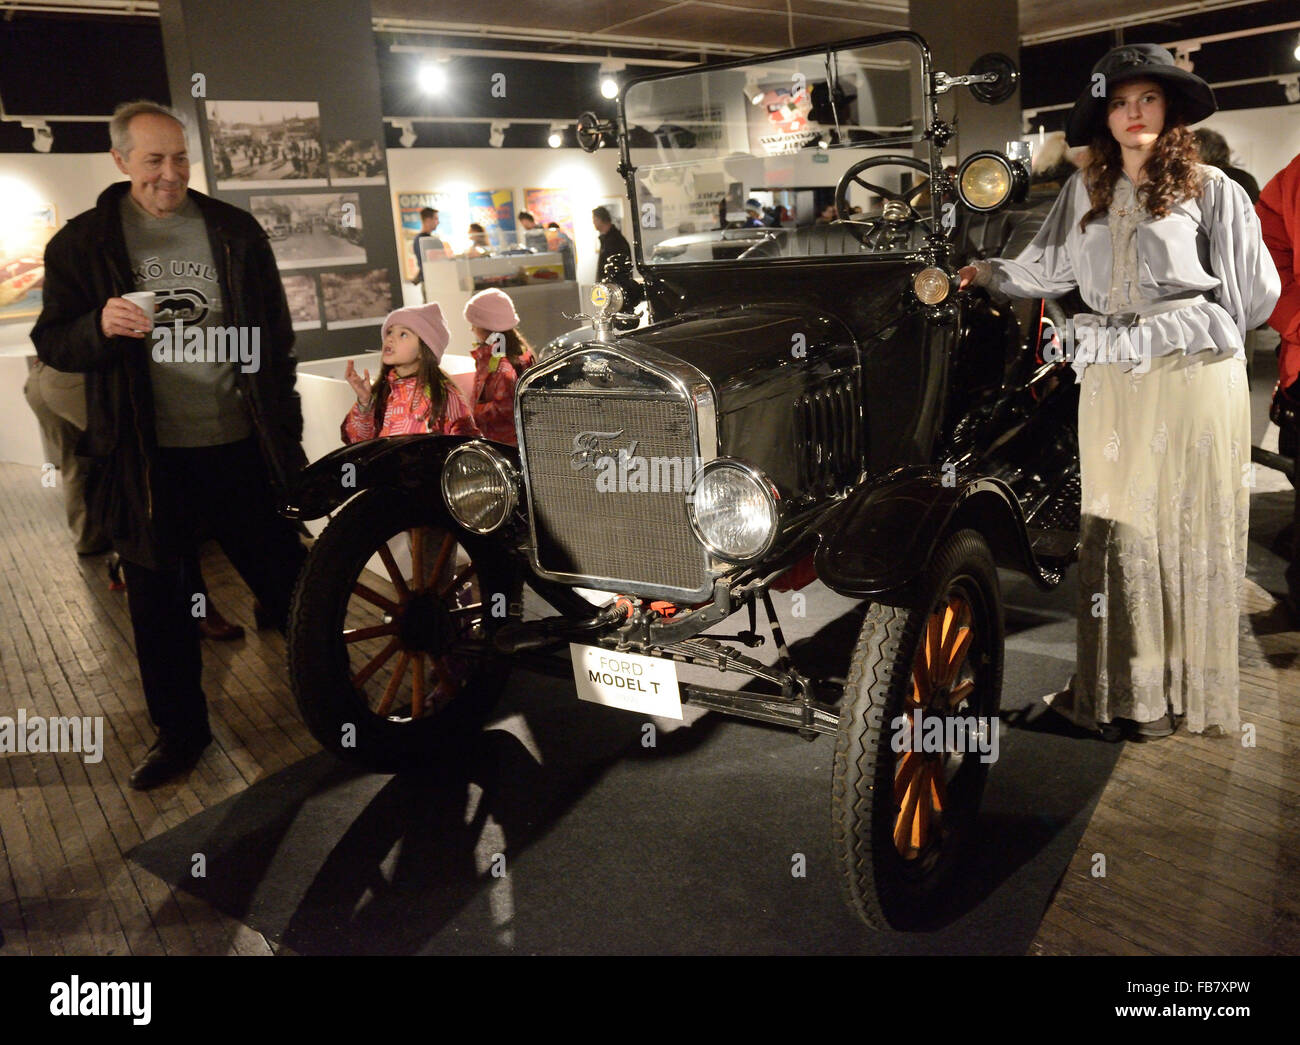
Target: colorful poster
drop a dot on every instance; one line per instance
(22, 261)
(779, 119)
(550, 205)
(452, 227)
(494, 209)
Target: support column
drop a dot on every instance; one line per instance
(331, 223)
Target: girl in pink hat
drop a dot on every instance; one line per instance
(501, 354)
(411, 395)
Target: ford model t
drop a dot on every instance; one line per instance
(813, 403)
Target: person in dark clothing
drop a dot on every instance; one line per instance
(211, 434)
(426, 237)
(612, 242)
(1214, 150)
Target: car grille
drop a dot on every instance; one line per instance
(639, 542)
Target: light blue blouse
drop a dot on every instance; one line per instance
(1211, 245)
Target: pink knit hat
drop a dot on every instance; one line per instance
(491, 309)
(428, 324)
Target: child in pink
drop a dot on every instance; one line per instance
(411, 395)
(500, 356)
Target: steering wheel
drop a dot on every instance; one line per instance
(908, 198)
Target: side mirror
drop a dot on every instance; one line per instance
(592, 130)
(997, 75)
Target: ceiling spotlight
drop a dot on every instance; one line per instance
(1296, 52)
(497, 134)
(42, 136)
(432, 77)
(757, 97)
(556, 138)
(1292, 88)
(609, 71)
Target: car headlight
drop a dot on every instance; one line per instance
(479, 486)
(986, 181)
(735, 510)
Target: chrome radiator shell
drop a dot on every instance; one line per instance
(602, 397)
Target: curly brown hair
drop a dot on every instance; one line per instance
(1171, 170)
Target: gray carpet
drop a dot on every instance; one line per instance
(608, 847)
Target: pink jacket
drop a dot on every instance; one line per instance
(407, 413)
(494, 393)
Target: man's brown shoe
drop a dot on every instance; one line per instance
(168, 758)
(215, 627)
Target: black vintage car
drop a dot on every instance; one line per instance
(823, 406)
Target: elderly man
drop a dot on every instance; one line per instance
(174, 435)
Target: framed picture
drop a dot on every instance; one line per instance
(22, 261)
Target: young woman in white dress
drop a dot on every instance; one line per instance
(1167, 253)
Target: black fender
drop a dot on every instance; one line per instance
(884, 535)
(410, 462)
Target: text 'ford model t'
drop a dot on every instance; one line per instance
(806, 403)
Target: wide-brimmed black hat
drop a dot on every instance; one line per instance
(1195, 99)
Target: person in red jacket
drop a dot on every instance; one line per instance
(1279, 218)
(501, 354)
(412, 395)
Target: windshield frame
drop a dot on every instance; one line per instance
(929, 110)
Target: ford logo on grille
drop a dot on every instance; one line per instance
(588, 451)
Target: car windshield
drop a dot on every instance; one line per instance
(741, 163)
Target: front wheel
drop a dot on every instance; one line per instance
(917, 732)
(389, 632)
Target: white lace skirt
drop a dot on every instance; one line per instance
(1166, 477)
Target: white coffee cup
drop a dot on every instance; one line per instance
(143, 299)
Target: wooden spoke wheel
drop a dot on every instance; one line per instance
(912, 750)
(389, 641)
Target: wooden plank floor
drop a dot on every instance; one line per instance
(1200, 837)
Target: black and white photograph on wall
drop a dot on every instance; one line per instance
(356, 299)
(304, 302)
(355, 161)
(261, 145)
(312, 229)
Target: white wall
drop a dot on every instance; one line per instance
(1263, 141)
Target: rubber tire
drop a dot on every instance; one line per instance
(878, 883)
(318, 665)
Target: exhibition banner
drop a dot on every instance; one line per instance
(494, 209)
(453, 223)
(23, 235)
(547, 205)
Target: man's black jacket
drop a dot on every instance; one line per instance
(612, 244)
(86, 263)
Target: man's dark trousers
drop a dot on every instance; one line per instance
(226, 489)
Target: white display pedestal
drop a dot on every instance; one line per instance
(541, 304)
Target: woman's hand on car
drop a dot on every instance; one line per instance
(967, 274)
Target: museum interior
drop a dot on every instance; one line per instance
(649, 478)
